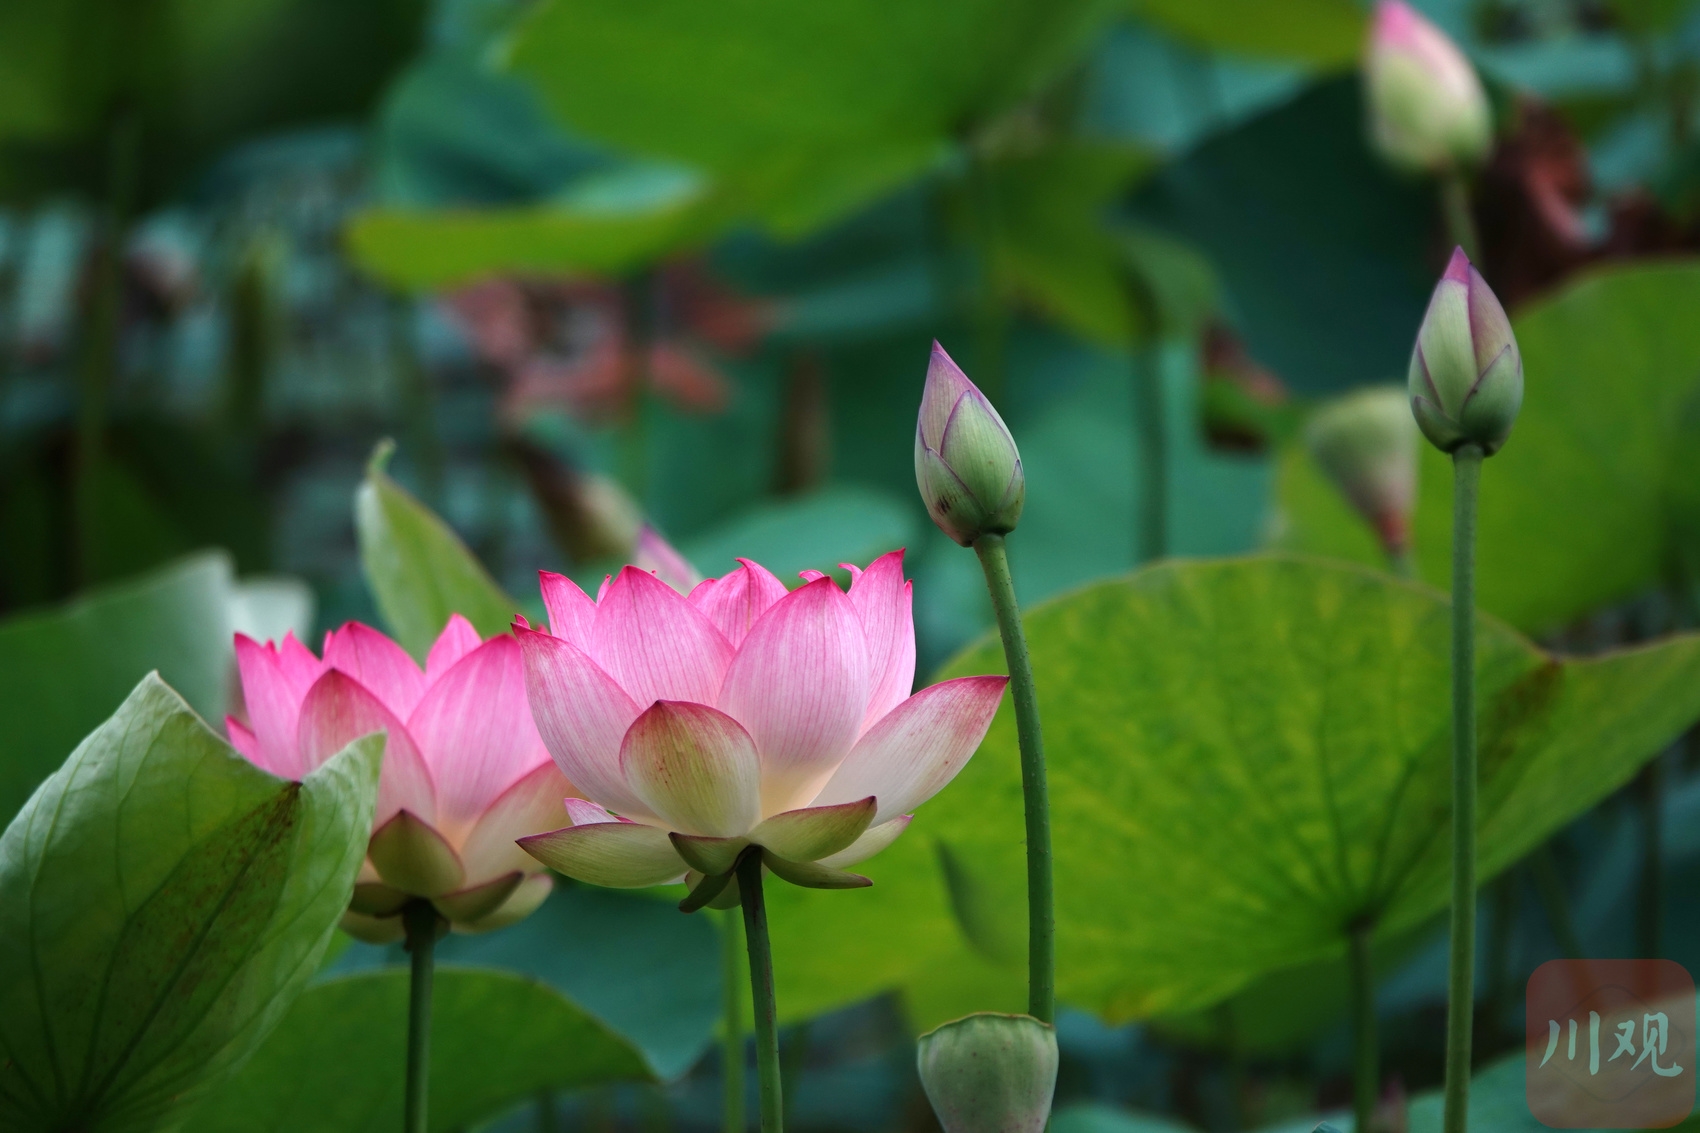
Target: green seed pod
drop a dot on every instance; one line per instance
(990, 1073)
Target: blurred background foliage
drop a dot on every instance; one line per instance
(593, 265)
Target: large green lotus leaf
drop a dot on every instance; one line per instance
(1248, 755)
(162, 901)
(337, 1062)
(1325, 33)
(65, 669)
(419, 570)
(1582, 505)
(803, 99)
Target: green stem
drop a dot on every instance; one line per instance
(761, 993)
(1366, 1055)
(546, 1119)
(1041, 925)
(1460, 221)
(1460, 994)
(732, 1117)
(420, 922)
(1403, 563)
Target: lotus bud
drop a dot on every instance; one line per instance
(966, 463)
(990, 1073)
(1466, 379)
(1367, 446)
(1427, 109)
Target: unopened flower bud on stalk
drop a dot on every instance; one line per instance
(966, 463)
(1367, 446)
(1466, 379)
(1427, 109)
(990, 1073)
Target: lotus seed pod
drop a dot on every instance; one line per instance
(1427, 109)
(966, 463)
(990, 1073)
(1466, 378)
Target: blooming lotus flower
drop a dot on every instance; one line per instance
(1427, 109)
(740, 717)
(1466, 376)
(464, 770)
(966, 463)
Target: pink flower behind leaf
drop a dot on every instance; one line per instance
(741, 716)
(465, 772)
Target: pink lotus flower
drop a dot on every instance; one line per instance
(464, 773)
(740, 716)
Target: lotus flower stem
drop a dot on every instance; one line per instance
(1366, 1056)
(1460, 997)
(1460, 221)
(761, 993)
(732, 1023)
(1041, 924)
(420, 920)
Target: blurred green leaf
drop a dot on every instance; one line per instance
(1323, 253)
(335, 1063)
(814, 532)
(1248, 755)
(162, 901)
(428, 249)
(1050, 240)
(1323, 33)
(192, 77)
(630, 959)
(809, 109)
(1093, 1117)
(1585, 504)
(1278, 1013)
(65, 669)
(418, 569)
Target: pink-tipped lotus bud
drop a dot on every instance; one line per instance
(1427, 109)
(659, 557)
(1366, 444)
(990, 1073)
(1466, 379)
(966, 463)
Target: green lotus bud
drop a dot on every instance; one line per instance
(1427, 109)
(1366, 444)
(990, 1073)
(966, 463)
(1466, 379)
